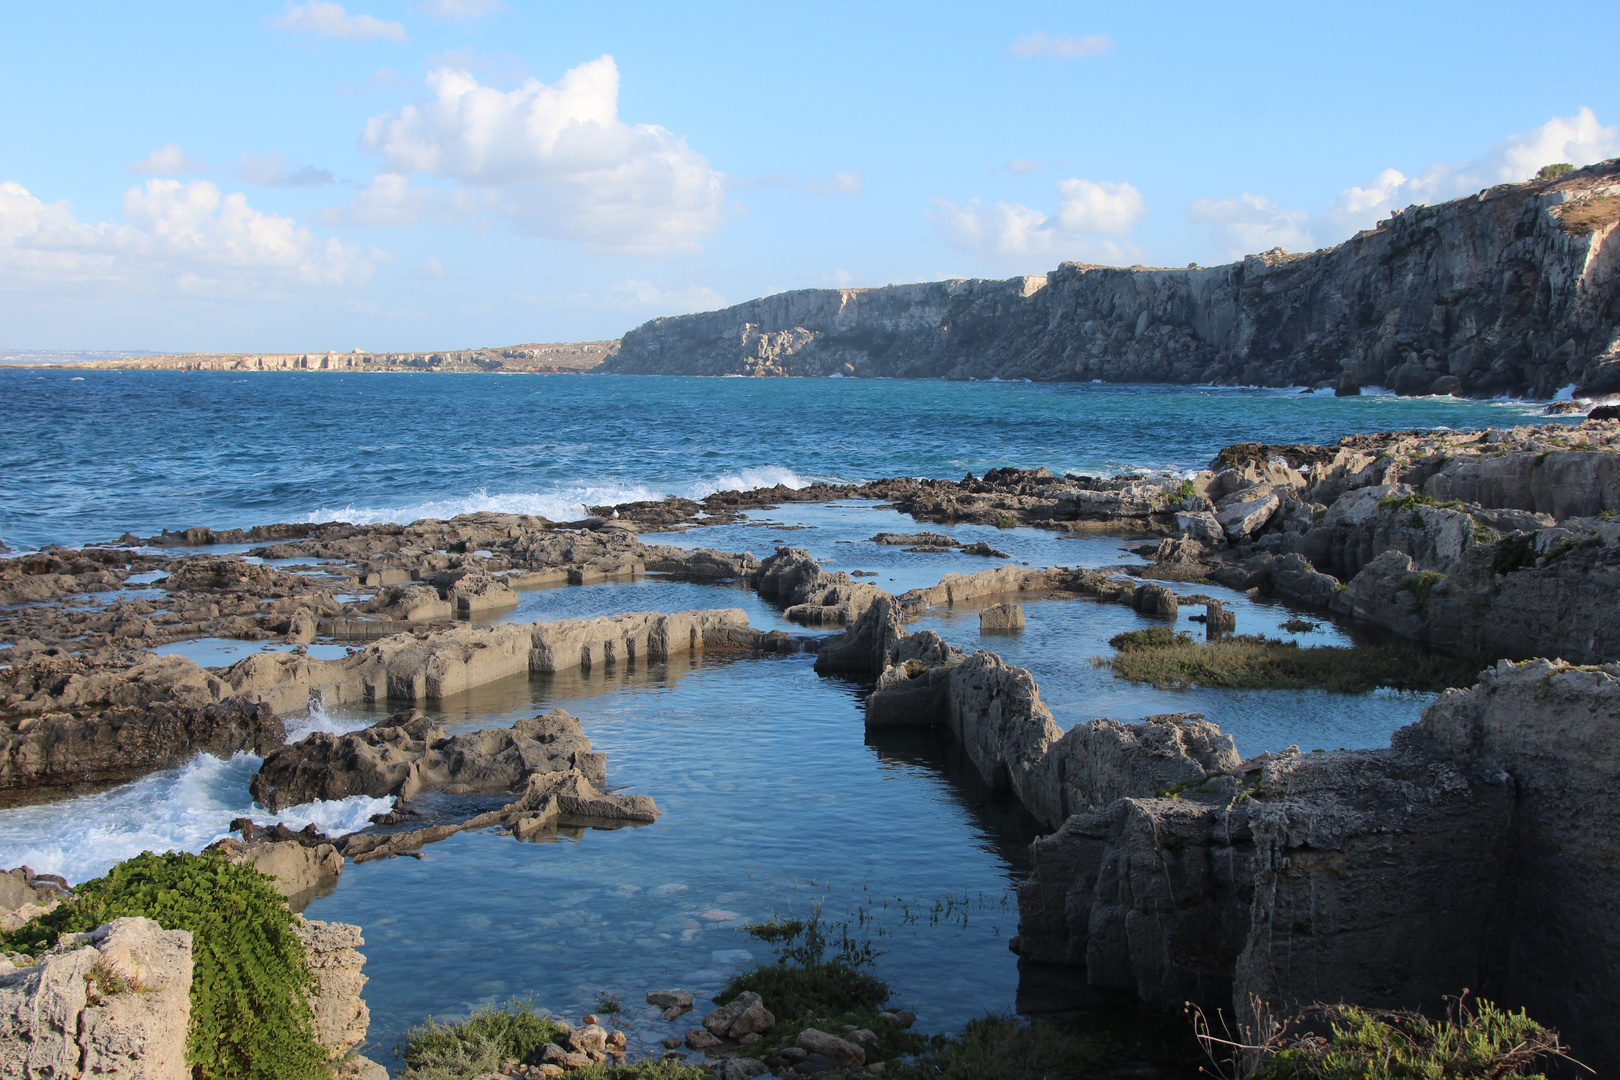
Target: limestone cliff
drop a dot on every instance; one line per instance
(1514, 290)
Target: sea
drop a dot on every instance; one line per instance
(775, 799)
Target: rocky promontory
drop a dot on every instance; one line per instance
(1515, 290)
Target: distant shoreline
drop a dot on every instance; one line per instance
(534, 358)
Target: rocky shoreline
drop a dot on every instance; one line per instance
(1475, 851)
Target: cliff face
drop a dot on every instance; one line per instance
(1515, 290)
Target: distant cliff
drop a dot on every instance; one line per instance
(570, 357)
(1515, 290)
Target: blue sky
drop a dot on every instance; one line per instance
(386, 174)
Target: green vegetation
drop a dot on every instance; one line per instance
(1006, 521)
(1553, 172)
(250, 1015)
(477, 1045)
(1154, 637)
(1421, 584)
(803, 978)
(1186, 491)
(1368, 1044)
(1255, 662)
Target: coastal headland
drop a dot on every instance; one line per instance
(1514, 291)
(1475, 851)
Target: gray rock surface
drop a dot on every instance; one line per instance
(1481, 295)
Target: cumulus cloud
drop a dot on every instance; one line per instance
(844, 183)
(168, 159)
(391, 200)
(458, 10)
(1249, 222)
(189, 237)
(678, 300)
(1014, 234)
(553, 160)
(1067, 48)
(324, 18)
(269, 170)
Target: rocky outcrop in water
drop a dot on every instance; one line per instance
(1515, 290)
(1474, 852)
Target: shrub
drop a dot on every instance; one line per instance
(1368, 1044)
(1421, 584)
(250, 1015)
(477, 1045)
(1515, 553)
(803, 978)
(1553, 172)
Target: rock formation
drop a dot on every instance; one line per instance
(1471, 853)
(1515, 290)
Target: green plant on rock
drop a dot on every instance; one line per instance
(1186, 491)
(1554, 171)
(1421, 584)
(1515, 553)
(1347, 1042)
(1006, 521)
(434, 1050)
(1402, 503)
(250, 1017)
(1255, 662)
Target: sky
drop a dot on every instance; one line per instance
(305, 175)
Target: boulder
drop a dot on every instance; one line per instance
(841, 1052)
(1002, 618)
(1151, 599)
(700, 1039)
(1248, 516)
(742, 1068)
(477, 592)
(669, 999)
(297, 871)
(413, 603)
(743, 1015)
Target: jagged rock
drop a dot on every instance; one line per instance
(114, 1003)
(337, 1009)
(814, 597)
(412, 603)
(1002, 617)
(407, 755)
(1202, 526)
(700, 1039)
(742, 1068)
(670, 999)
(56, 755)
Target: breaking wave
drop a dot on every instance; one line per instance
(561, 504)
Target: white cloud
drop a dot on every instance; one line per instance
(1024, 165)
(1249, 223)
(679, 301)
(324, 18)
(1068, 48)
(554, 160)
(1253, 222)
(269, 170)
(167, 159)
(1014, 234)
(391, 200)
(187, 236)
(844, 183)
(458, 10)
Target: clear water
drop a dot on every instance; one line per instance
(774, 795)
(143, 451)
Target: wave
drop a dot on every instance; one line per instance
(561, 504)
(183, 809)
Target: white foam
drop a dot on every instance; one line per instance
(561, 504)
(182, 809)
